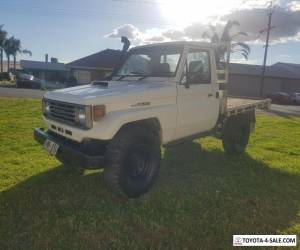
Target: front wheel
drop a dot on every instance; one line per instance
(133, 161)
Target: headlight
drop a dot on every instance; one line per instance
(45, 107)
(84, 116)
(81, 116)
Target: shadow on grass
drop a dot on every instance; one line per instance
(199, 201)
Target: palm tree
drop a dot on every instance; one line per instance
(225, 39)
(12, 48)
(3, 35)
(8, 48)
(17, 48)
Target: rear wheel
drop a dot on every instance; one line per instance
(236, 135)
(133, 161)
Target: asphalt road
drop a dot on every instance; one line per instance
(38, 94)
(25, 93)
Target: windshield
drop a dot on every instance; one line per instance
(157, 60)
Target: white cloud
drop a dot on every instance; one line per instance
(128, 30)
(195, 31)
(173, 34)
(286, 20)
(294, 5)
(286, 23)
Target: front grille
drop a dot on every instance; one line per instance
(62, 111)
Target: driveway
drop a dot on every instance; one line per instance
(25, 93)
(285, 109)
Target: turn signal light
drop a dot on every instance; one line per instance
(98, 112)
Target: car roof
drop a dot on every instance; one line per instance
(178, 43)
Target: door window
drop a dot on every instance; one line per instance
(198, 67)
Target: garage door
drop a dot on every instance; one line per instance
(82, 76)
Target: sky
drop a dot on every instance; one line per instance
(69, 29)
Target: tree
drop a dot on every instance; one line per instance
(17, 48)
(226, 38)
(8, 48)
(3, 35)
(12, 47)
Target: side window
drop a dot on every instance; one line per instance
(198, 67)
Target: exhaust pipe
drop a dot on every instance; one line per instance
(126, 44)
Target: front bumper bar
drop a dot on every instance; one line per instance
(70, 152)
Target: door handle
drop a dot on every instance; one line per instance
(210, 95)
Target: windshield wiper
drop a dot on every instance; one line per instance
(142, 75)
(139, 73)
(121, 77)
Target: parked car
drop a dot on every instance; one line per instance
(27, 80)
(295, 98)
(280, 98)
(121, 123)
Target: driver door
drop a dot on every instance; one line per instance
(198, 105)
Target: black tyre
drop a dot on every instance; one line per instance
(236, 135)
(133, 160)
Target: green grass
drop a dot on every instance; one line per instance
(201, 198)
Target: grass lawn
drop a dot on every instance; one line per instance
(201, 198)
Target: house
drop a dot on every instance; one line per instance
(95, 66)
(85, 70)
(49, 71)
(245, 79)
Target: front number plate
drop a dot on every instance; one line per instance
(51, 147)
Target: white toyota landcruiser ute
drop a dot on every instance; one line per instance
(161, 94)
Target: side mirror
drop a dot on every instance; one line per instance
(187, 84)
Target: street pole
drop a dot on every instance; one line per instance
(271, 11)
